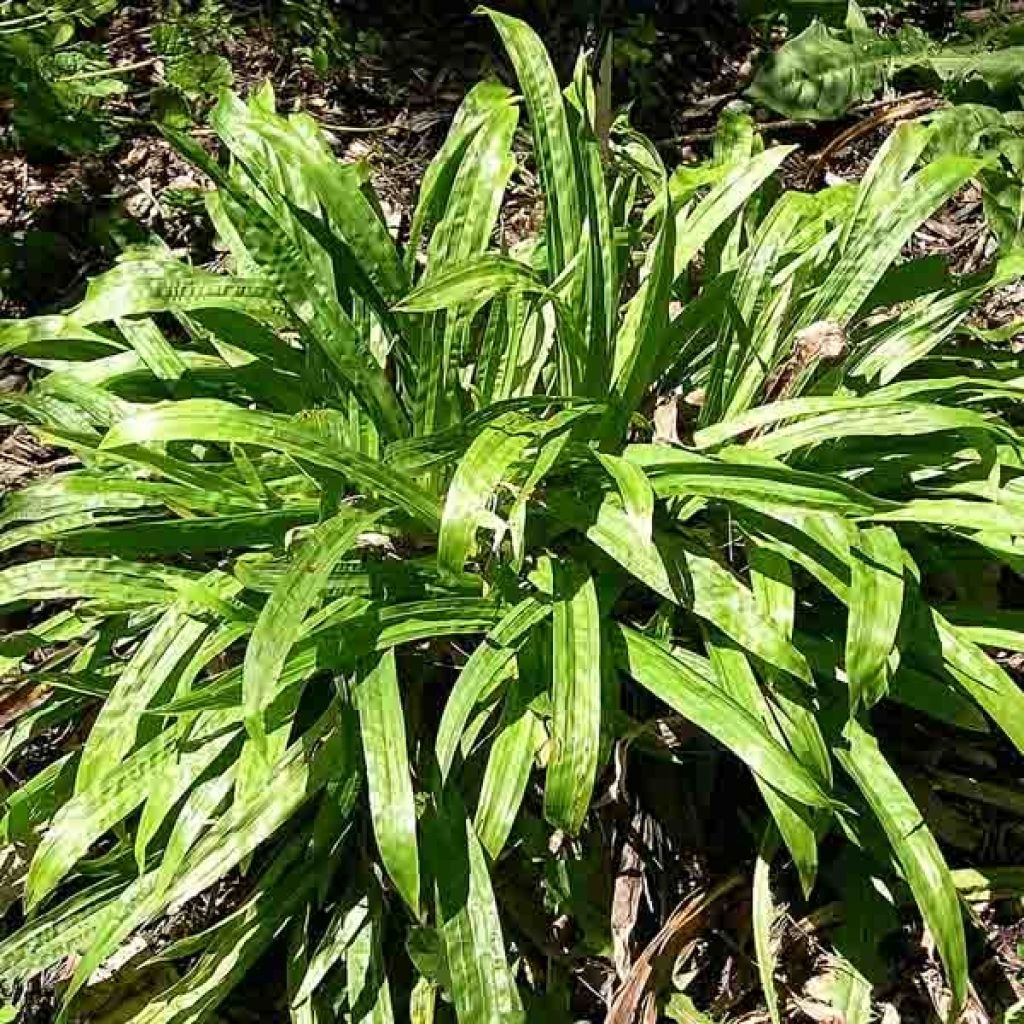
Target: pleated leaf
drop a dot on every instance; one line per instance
(490, 665)
(388, 777)
(280, 623)
(212, 420)
(876, 602)
(916, 850)
(475, 281)
(512, 754)
(669, 678)
(763, 918)
(575, 698)
(553, 147)
(483, 990)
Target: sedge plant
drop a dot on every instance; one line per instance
(372, 548)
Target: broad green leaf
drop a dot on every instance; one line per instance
(680, 1008)
(64, 930)
(91, 812)
(186, 536)
(323, 754)
(553, 148)
(669, 678)
(798, 732)
(70, 579)
(851, 418)
(388, 778)
(490, 664)
(237, 944)
(435, 188)
(612, 530)
(876, 602)
(482, 989)
(693, 228)
(589, 111)
(36, 330)
(720, 598)
(818, 542)
(985, 626)
(471, 283)
(987, 884)
(464, 232)
(142, 900)
(898, 208)
(819, 74)
(369, 994)
(211, 420)
(932, 695)
(34, 803)
(345, 924)
(686, 577)
(916, 850)
(638, 342)
(152, 666)
(76, 493)
(635, 490)
(409, 621)
(763, 918)
(518, 739)
(489, 458)
(137, 287)
(734, 476)
(299, 163)
(982, 679)
(153, 348)
(495, 452)
(771, 581)
(325, 324)
(576, 699)
(280, 622)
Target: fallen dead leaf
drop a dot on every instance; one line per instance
(635, 1000)
(822, 340)
(819, 342)
(14, 705)
(627, 891)
(820, 1012)
(666, 420)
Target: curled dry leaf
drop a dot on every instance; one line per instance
(627, 892)
(821, 341)
(634, 1001)
(20, 701)
(666, 420)
(816, 1011)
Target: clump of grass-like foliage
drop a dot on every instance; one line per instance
(377, 551)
